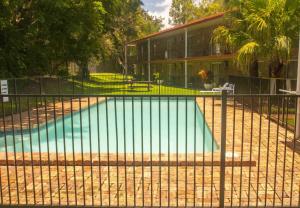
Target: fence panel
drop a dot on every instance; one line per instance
(150, 151)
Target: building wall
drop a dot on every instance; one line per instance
(168, 55)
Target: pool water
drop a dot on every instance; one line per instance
(174, 124)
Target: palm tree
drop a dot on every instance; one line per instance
(260, 29)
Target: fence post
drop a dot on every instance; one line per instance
(223, 148)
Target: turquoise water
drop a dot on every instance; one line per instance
(184, 130)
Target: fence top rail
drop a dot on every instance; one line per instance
(263, 78)
(150, 95)
(62, 77)
(107, 95)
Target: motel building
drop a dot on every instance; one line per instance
(179, 53)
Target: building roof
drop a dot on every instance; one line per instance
(179, 27)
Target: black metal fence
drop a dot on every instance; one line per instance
(149, 151)
(256, 85)
(97, 84)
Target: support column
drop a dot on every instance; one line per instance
(298, 92)
(185, 56)
(149, 61)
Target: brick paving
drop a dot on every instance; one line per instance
(251, 164)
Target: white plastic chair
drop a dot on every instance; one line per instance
(230, 88)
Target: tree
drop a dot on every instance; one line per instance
(42, 37)
(210, 7)
(183, 11)
(260, 29)
(132, 22)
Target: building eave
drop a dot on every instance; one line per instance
(180, 27)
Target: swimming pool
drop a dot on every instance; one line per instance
(174, 124)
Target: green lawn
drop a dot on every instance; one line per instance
(113, 84)
(98, 84)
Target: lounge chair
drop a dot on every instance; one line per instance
(230, 88)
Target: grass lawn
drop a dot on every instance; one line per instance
(113, 84)
(98, 84)
(291, 121)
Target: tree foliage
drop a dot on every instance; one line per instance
(131, 23)
(259, 29)
(183, 11)
(39, 37)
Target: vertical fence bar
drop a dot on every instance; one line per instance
(223, 148)
(268, 148)
(65, 146)
(125, 152)
(6, 152)
(142, 148)
(39, 145)
(73, 150)
(108, 156)
(276, 151)
(169, 147)
(14, 150)
(251, 148)
(242, 150)
(293, 157)
(99, 153)
(259, 148)
(91, 152)
(213, 150)
(186, 150)
(203, 149)
(233, 149)
(48, 150)
(133, 152)
(285, 124)
(82, 154)
(23, 151)
(151, 155)
(195, 150)
(159, 145)
(56, 149)
(177, 158)
(117, 149)
(1, 187)
(31, 150)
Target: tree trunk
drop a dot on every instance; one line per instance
(254, 69)
(275, 69)
(85, 71)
